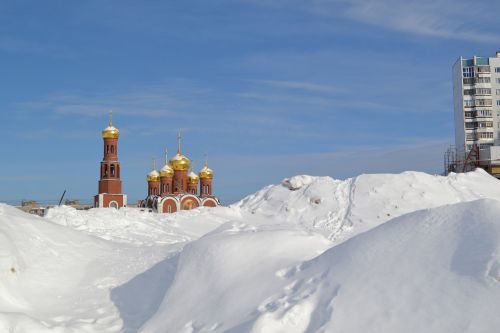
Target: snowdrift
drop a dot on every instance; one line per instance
(339, 209)
(392, 253)
(133, 226)
(436, 270)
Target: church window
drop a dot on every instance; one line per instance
(112, 169)
(112, 149)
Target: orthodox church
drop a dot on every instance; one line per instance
(175, 187)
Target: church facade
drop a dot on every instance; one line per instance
(175, 187)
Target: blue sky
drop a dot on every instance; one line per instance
(268, 89)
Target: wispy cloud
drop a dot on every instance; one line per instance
(303, 86)
(450, 19)
(147, 101)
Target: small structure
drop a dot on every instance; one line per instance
(110, 184)
(487, 158)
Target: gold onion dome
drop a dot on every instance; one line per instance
(192, 178)
(206, 172)
(167, 170)
(153, 176)
(180, 162)
(110, 132)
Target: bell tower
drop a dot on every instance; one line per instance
(110, 184)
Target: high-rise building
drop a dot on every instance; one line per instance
(476, 95)
(476, 98)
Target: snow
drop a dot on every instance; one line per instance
(340, 209)
(387, 252)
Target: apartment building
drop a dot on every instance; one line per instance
(476, 95)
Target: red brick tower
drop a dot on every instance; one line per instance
(153, 181)
(206, 175)
(166, 177)
(192, 183)
(181, 165)
(110, 184)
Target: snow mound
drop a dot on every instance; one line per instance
(41, 268)
(386, 253)
(420, 272)
(133, 226)
(297, 182)
(430, 271)
(222, 277)
(342, 208)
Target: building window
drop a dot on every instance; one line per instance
(482, 91)
(112, 170)
(468, 71)
(486, 135)
(482, 80)
(498, 102)
(497, 69)
(483, 102)
(498, 79)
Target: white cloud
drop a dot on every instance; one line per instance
(450, 19)
(302, 85)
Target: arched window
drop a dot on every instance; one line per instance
(112, 170)
(112, 149)
(105, 170)
(107, 149)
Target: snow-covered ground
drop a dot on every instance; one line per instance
(406, 252)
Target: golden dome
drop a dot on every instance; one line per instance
(110, 132)
(153, 176)
(180, 162)
(206, 173)
(167, 171)
(192, 178)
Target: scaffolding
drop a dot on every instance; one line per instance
(465, 160)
